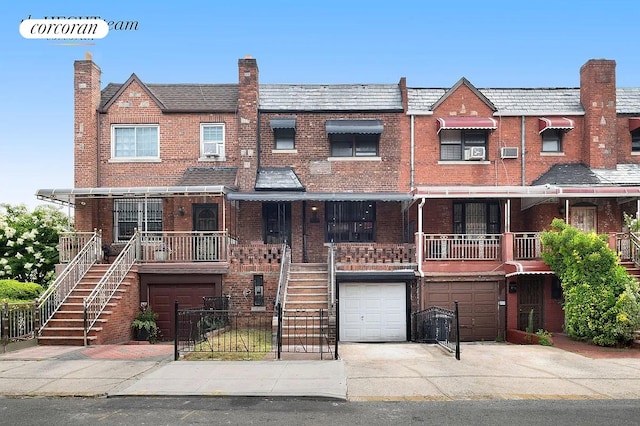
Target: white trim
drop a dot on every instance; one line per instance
(551, 154)
(221, 149)
(115, 126)
(284, 151)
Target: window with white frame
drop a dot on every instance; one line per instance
(137, 141)
(130, 214)
(212, 140)
(454, 142)
(552, 140)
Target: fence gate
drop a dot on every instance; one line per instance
(307, 331)
(438, 325)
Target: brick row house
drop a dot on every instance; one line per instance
(392, 198)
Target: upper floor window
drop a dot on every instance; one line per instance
(350, 221)
(635, 141)
(354, 145)
(135, 141)
(552, 140)
(131, 214)
(212, 140)
(462, 144)
(284, 138)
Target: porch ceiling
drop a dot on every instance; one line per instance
(538, 191)
(70, 195)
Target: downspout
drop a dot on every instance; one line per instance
(420, 238)
(522, 169)
(412, 161)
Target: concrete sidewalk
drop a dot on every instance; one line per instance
(403, 371)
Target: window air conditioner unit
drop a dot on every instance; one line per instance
(474, 153)
(509, 152)
(212, 150)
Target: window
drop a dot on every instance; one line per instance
(276, 223)
(354, 145)
(284, 138)
(552, 140)
(129, 214)
(476, 218)
(635, 141)
(212, 140)
(135, 141)
(453, 143)
(350, 221)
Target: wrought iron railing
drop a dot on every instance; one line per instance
(176, 246)
(59, 290)
(97, 300)
(462, 247)
(438, 325)
(306, 331)
(17, 322)
(527, 245)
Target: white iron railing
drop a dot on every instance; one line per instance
(634, 248)
(462, 246)
(17, 322)
(59, 290)
(97, 300)
(70, 243)
(176, 246)
(527, 245)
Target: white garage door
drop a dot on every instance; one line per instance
(373, 312)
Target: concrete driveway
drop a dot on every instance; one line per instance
(413, 371)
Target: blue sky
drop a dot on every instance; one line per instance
(432, 44)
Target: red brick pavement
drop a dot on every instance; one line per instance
(564, 342)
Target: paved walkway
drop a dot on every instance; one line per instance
(404, 371)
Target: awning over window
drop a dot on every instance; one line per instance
(634, 123)
(373, 127)
(283, 123)
(526, 267)
(555, 123)
(318, 196)
(485, 123)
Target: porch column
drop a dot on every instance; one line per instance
(507, 246)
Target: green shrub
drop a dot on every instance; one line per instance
(544, 338)
(16, 291)
(601, 298)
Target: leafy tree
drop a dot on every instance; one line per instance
(28, 242)
(601, 298)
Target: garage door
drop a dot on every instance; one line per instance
(477, 305)
(373, 312)
(163, 296)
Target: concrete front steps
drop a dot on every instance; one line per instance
(66, 327)
(306, 293)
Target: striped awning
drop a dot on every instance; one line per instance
(526, 267)
(482, 123)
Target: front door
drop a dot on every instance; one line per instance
(276, 223)
(530, 293)
(206, 245)
(584, 218)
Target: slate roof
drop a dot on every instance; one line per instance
(186, 97)
(330, 97)
(628, 100)
(278, 179)
(624, 174)
(568, 174)
(209, 176)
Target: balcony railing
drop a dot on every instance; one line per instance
(70, 244)
(526, 245)
(176, 246)
(462, 247)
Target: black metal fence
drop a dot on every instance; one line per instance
(219, 333)
(438, 325)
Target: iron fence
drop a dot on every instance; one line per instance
(17, 322)
(438, 325)
(306, 331)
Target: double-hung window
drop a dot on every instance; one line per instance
(350, 221)
(131, 214)
(552, 140)
(284, 138)
(139, 141)
(454, 142)
(212, 140)
(354, 145)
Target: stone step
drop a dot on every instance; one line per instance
(68, 331)
(65, 341)
(298, 298)
(305, 305)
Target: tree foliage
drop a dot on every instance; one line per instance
(28, 242)
(601, 298)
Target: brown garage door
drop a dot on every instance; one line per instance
(477, 305)
(162, 298)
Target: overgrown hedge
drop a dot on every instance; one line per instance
(13, 290)
(601, 298)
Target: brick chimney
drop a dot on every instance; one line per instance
(598, 98)
(248, 95)
(86, 98)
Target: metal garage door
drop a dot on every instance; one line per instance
(373, 312)
(162, 298)
(477, 304)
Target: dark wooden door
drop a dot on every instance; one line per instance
(530, 297)
(206, 246)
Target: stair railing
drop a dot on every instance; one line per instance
(285, 265)
(97, 300)
(49, 302)
(332, 275)
(635, 247)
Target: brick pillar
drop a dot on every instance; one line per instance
(248, 95)
(507, 246)
(598, 98)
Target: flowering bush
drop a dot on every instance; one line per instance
(28, 242)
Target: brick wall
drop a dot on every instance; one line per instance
(117, 329)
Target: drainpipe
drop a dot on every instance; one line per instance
(522, 169)
(420, 237)
(412, 166)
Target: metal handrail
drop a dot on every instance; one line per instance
(332, 275)
(97, 300)
(49, 302)
(635, 247)
(285, 264)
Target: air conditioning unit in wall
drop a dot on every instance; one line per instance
(509, 152)
(474, 153)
